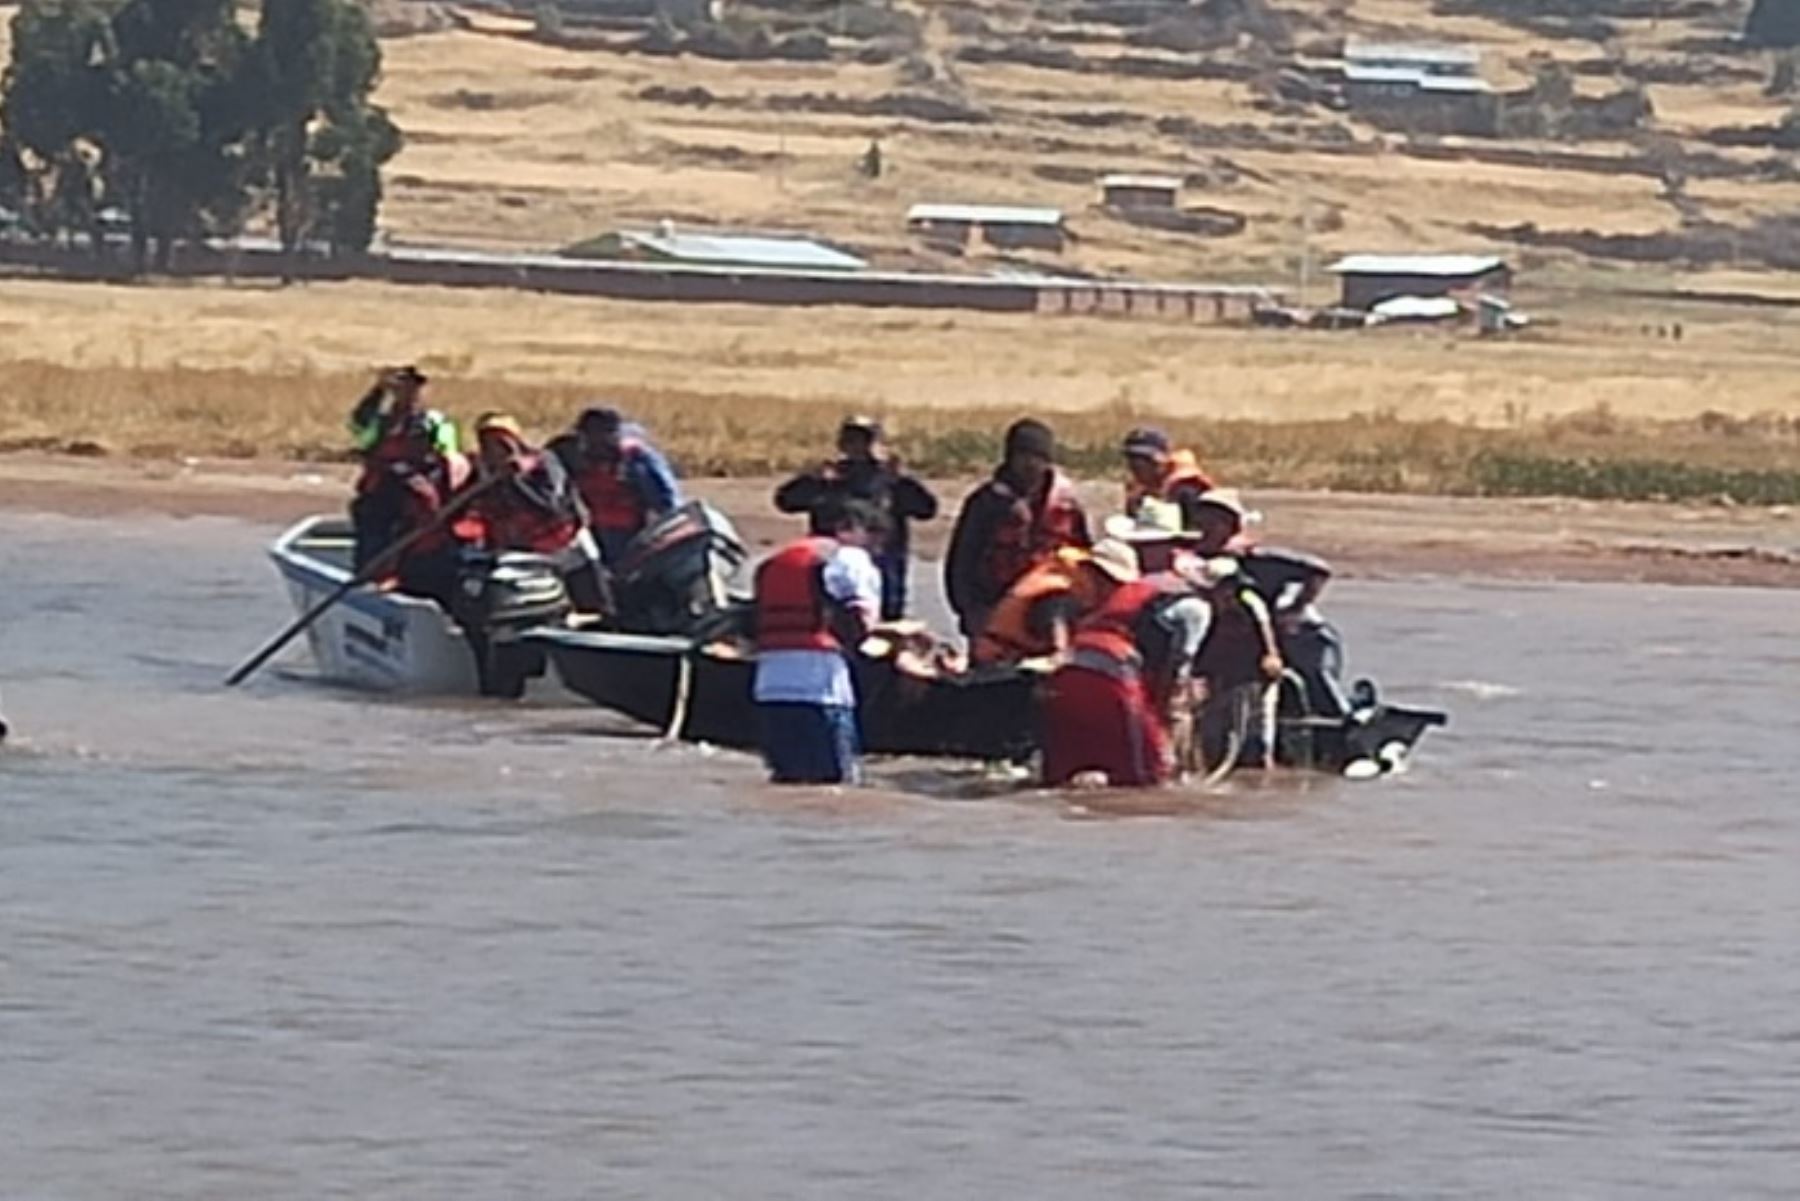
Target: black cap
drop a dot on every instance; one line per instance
(1146, 440)
(600, 419)
(860, 424)
(410, 374)
(1030, 437)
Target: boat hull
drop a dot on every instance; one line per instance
(382, 641)
(642, 677)
(984, 717)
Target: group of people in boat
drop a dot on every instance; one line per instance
(1135, 621)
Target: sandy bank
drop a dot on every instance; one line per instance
(1365, 535)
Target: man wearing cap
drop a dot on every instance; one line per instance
(864, 470)
(1157, 471)
(537, 509)
(623, 479)
(395, 435)
(1038, 613)
(1122, 701)
(1020, 517)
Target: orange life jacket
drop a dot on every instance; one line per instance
(1183, 470)
(612, 503)
(513, 522)
(791, 612)
(1008, 636)
(1108, 635)
(1032, 533)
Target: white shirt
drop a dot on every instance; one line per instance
(808, 677)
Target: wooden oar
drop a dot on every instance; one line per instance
(370, 570)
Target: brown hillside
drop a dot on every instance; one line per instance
(513, 141)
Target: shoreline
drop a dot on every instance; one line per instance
(1364, 535)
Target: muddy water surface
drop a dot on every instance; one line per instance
(292, 942)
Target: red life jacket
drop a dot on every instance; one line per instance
(1109, 633)
(421, 510)
(612, 503)
(1031, 534)
(513, 522)
(791, 613)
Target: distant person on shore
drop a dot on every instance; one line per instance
(1155, 470)
(624, 481)
(1017, 519)
(864, 470)
(816, 600)
(394, 432)
(537, 509)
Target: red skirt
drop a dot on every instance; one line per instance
(1097, 722)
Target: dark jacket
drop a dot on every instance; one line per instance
(880, 482)
(975, 578)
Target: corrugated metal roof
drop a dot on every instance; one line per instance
(1411, 53)
(1416, 264)
(1159, 182)
(984, 214)
(744, 248)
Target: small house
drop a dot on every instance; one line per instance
(1419, 87)
(1140, 191)
(1004, 227)
(1369, 279)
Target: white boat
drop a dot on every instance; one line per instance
(386, 641)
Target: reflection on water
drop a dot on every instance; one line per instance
(294, 942)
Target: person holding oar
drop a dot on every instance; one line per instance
(394, 431)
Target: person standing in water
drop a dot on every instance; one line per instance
(865, 470)
(1024, 514)
(816, 599)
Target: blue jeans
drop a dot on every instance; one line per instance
(893, 585)
(810, 744)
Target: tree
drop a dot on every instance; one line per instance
(53, 92)
(133, 103)
(1774, 23)
(322, 140)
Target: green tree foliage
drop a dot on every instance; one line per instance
(1774, 23)
(168, 111)
(322, 140)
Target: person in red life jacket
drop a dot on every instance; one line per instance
(1157, 471)
(816, 600)
(430, 477)
(865, 470)
(537, 509)
(1289, 583)
(624, 481)
(1023, 515)
(1114, 707)
(392, 428)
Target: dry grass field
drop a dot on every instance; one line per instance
(260, 372)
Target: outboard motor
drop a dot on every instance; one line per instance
(502, 596)
(678, 573)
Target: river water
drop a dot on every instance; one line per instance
(295, 942)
